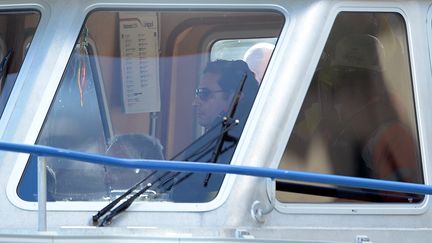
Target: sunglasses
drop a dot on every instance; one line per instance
(204, 93)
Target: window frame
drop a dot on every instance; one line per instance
(6, 113)
(22, 159)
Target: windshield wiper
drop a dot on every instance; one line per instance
(227, 119)
(104, 210)
(129, 201)
(207, 147)
(227, 124)
(196, 141)
(4, 65)
(123, 206)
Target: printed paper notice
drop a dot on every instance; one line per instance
(140, 62)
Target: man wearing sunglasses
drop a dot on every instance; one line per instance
(227, 90)
(217, 88)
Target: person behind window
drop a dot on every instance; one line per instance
(258, 57)
(216, 110)
(130, 146)
(366, 128)
(216, 90)
(368, 122)
(74, 180)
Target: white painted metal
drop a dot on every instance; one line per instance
(42, 193)
(278, 103)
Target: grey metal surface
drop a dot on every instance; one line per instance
(277, 105)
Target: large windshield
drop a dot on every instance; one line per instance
(143, 85)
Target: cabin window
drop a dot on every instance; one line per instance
(16, 32)
(255, 52)
(358, 117)
(142, 84)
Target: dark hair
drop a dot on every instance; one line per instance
(231, 73)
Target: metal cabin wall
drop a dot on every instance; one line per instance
(272, 119)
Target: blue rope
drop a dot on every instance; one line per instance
(347, 181)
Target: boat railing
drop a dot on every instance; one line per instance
(41, 151)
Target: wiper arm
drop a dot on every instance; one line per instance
(104, 210)
(4, 65)
(228, 124)
(205, 148)
(123, 206)
(196, 141)
(173, 183)
(228, 118)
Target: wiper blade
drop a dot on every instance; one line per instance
(122, 207)
(228, 118)
(126, 204)
(207, 147)
(179, 181)
(174, 183)
(228, 124)
(4, 65)
(104, 210)
(196, 141)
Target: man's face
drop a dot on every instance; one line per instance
(211, 101)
